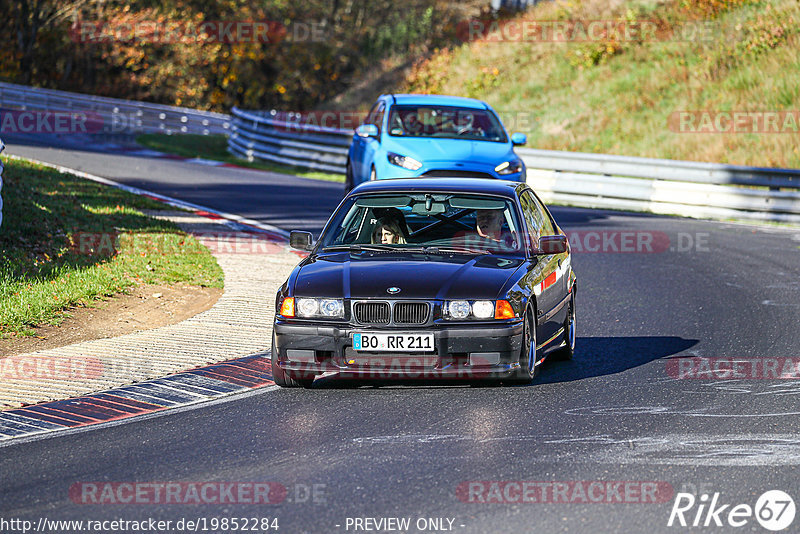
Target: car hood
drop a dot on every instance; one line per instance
(424, 277)
(430, 150)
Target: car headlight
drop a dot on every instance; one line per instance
(478, 309)
(483, 309)
(509, 167)
(324, 308)
(404, 161)
(458, 309)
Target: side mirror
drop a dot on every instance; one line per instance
(519, 139)
(367, 130)
(301, 240)
(552, 244)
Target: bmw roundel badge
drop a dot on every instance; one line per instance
(393, 290)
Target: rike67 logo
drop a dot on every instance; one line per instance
(774, 510)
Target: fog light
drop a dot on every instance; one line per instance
(484, 358)
(300, 356)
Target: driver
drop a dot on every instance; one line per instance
(489, 226)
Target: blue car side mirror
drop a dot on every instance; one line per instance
(367, 130)
(519, 139)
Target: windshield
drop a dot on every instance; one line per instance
(468, 224)
(447, 122)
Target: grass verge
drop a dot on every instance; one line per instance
(66, 241)
(215, 147)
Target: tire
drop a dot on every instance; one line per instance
(568, 351)
(286, 379)
(348, 178)
(527, 354)
(373, 175)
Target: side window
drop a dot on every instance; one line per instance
(533, 219)
(547, 224)
(377, 117)
(372, 113)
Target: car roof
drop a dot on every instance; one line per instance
(442, 185)
(441, 100)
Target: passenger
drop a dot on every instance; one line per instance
(387, 232)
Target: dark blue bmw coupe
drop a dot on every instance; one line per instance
(442, 278)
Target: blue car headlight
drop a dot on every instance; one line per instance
(404, 161)
(509, 167)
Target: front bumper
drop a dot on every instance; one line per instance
(461, 352)
(385, 169)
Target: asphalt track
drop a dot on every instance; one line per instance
(614, 413)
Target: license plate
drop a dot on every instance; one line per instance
(382, 342)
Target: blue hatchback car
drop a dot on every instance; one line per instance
(409, 136)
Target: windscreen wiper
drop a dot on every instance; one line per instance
(358, 248)
(454, 250)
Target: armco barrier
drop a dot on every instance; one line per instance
(267, 135)
(118, 116)
(690, 189)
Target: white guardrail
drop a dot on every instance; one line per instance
(273, 136)
(670, 187)
(108, 115)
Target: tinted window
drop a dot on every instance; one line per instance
(376, 115)
(447, 122)
(536, 218)
(469, 223)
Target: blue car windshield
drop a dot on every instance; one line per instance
(469, 224)
(446, 122)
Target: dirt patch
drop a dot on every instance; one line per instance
(144, 308)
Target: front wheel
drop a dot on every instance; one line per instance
(568, 350)
(287, 379)
(527, 357)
